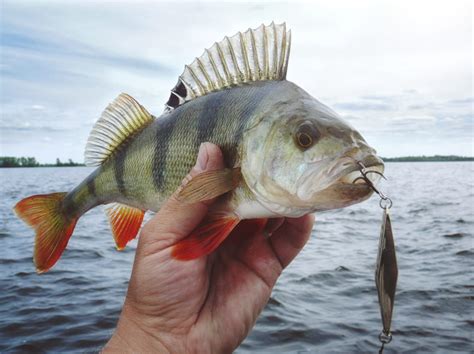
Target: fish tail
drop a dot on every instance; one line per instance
(45, 214)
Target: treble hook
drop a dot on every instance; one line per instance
(364, 172)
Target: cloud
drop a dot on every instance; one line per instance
(362, 106)
(383, 69)
(30, 129)
(412, 118)
(78, 50)
(462, 101)
(383, 98)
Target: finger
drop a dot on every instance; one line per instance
(176, 219)
(290, 238)
(272, 225)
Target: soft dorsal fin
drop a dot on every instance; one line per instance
(123, 118)
(256, 55)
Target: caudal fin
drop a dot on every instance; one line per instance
(53, 228)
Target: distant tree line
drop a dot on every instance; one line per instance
(423, 158)
(68, 163)
(10, 161)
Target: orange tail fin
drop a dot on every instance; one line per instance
(53, 228)
(206, 237)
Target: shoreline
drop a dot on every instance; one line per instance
(388, 160)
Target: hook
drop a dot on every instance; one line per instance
(364, 172)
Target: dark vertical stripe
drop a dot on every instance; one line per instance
(91, 186)
(164, 133)
(225, 115)
(251, 102)
(220, 117)
(119, 169)
(69, 207)
(209, 116)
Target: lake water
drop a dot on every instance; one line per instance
(324, 302)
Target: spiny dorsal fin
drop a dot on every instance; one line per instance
(121, 119)
(256, 55)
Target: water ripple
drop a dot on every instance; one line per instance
(324, 302)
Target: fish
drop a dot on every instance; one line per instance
(286, 154)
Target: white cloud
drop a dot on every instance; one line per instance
(377, 63)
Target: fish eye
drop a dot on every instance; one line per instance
(306, 135)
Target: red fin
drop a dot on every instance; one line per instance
(125, 222)
(206, 237)
(53, 228)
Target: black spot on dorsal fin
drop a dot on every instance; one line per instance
(180, 89)
(178, 93)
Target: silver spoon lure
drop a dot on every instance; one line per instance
(386, 272)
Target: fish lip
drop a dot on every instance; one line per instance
(352, 173)
(370, 162)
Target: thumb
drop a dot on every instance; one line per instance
(176, 219)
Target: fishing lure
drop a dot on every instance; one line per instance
(386, 272)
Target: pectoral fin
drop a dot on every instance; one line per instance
(210, 184)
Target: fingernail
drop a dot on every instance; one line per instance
(202, 158)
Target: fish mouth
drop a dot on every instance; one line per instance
(342, 183)
(357, 181)
(373, 172)
(349, 186)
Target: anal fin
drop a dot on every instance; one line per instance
(206, 237)
(125, 222)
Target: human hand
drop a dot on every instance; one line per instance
(206, 305)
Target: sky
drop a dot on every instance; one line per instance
(399, 71)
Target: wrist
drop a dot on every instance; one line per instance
(133, 336)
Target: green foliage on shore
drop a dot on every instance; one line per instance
(10, 161)
(423, 158)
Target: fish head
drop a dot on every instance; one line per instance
(302, 157)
